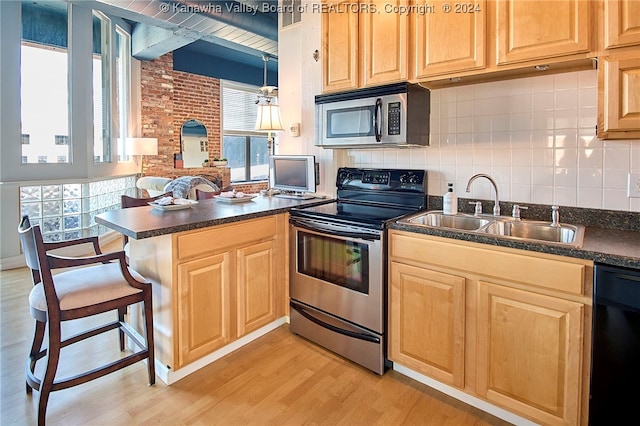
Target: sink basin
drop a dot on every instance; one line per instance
(438, 219)
(500, 226)
(540, 231)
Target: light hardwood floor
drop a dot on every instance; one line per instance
(279, 379)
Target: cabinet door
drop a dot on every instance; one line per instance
(427, 322)
(203, 308)
(256, 286)
(621, 23)
(383, 42)
(530, 353)
(340, 46)
(619, 80)
(446, 43)
(530, 30)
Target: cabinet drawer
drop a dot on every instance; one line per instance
(540, 270)
(194, 243)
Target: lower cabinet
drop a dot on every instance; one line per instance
(204, 307)
(529, 353)
(508, 326)
(227, 284)
(213, 286)
(427, 322)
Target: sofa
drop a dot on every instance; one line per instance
(182, 187)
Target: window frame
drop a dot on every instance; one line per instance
(81, 163)
(247, 134)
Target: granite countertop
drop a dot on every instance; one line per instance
(147, 222)
(611, 246)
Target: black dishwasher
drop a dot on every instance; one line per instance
(615, 360)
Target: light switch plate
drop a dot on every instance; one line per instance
(633, 186)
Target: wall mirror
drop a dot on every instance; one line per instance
(194, 142)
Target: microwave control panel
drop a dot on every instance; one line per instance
(393, 116)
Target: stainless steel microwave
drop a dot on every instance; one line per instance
(377, 117)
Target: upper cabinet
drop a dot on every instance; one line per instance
(446, 43)
(340, 47)
(619, 96)
(364, 44)
(619, 71)
(533, 30)
(383, 43)
(621, 23)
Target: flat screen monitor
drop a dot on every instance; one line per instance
(293, 175)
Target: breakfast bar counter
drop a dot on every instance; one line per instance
(146, 222)
(219, 273)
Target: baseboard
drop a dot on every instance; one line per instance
(169, 376)
(461, 396)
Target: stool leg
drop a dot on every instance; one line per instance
(148, 319)
(38, 337)
(121, 313)
(53, 356)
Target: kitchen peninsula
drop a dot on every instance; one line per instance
(219, 274)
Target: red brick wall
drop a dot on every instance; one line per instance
(169, 98)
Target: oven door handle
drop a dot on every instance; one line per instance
(349, 333)
(334, 232)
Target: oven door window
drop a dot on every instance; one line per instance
(350, 122)
(337, 261)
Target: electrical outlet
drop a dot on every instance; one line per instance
(633, 186)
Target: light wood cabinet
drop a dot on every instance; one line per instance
(621, 23)
(257, 291)
(203, 308)
(533, 30)
(530, 353)
(427, 319)
(364, 44)
(619, 96)
(508, 326)
(340, 47)
(448, 43)
(215, 285)
(619, 71)
(383, 43)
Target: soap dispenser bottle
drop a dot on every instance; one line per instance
(450, 201)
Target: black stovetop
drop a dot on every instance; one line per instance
(372, 197)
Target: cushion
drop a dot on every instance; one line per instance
(185, 186)
(86, 286)
(153, 184)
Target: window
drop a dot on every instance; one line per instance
(110, 97)
(123, 72)
(62, 140)
(43, 70)
(244, 148)
(101, 88)
(291, 12)
(44, 66)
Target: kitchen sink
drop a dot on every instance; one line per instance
(540, 231)
(500, 226)
(438, 219)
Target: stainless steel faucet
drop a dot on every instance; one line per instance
(496, 205)
(555, 216)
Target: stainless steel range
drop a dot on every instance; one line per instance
(338, 275)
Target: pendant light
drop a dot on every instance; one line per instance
(268, 118)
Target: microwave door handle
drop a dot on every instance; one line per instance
(377, 120)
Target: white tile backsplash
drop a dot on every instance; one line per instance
(535, 136)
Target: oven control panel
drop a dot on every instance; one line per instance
(382, 179)
(377, 178)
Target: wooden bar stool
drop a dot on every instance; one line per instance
(105, 286)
